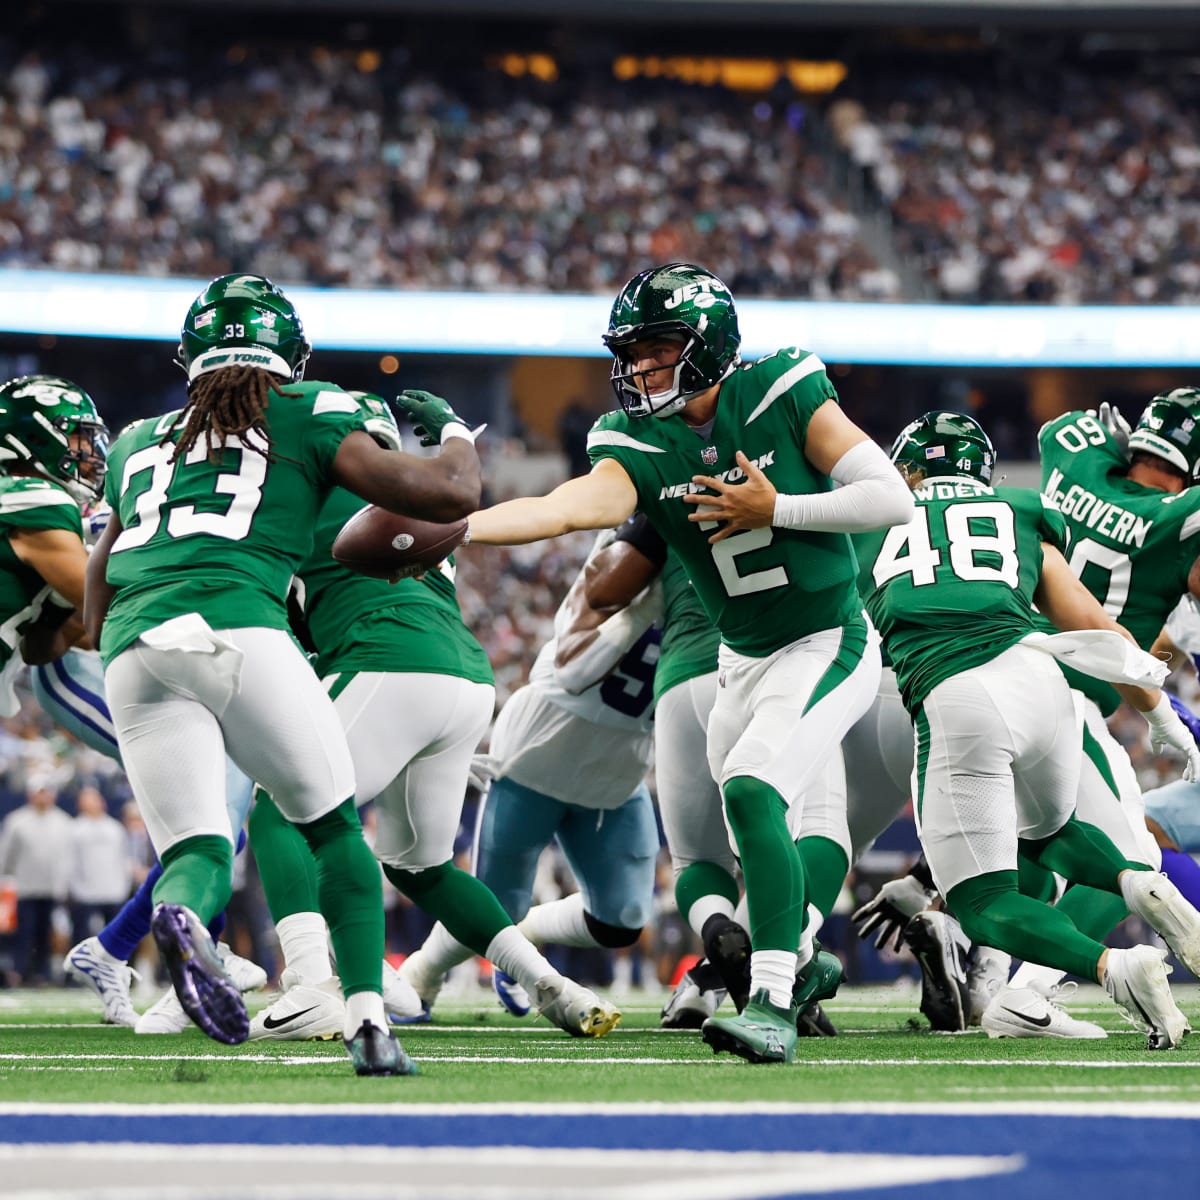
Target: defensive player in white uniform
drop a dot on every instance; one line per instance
(569, 765)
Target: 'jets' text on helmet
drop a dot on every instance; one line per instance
(379, 419)
(945, 443)
(243, 320)
(52, 426)
(677, 301)
(1170, 428)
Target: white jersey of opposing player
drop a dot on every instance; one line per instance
(590, 749)
(1183, 626)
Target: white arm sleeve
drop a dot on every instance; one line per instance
(613, 639)
(871, 495)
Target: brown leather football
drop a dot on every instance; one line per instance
(385, 545)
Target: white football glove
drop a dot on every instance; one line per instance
(894, 905)
(1109, 415)
(1167, 730)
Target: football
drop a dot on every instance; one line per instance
(385, 545)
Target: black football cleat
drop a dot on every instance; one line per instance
(727, 948)
(375, 1051)
(940, 947)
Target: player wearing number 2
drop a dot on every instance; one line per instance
(997, 730)
(734, 464)
(213, 510)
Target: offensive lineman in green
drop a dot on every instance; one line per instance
(998, 737)
(213, 511)
(386, 649)
(1133, 518)
(798, 661)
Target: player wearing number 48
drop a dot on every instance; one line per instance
(213, 511)
(734, 464)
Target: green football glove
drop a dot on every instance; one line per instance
(428, 413)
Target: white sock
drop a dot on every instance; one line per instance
(774, 970)
(364, 1006)
(438, 954)
(1045, 977)
(515, 955)
(806, 949)
(705, 907)
(561, 922)
(305, 946)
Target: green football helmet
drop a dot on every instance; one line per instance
(52, 426)
(1170, 428)
(379, 420)
(945, 443)
(242, 320)
(679, 301)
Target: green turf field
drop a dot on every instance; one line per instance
(52, 1048)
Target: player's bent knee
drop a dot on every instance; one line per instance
(417, 884)
(341, 822)
(611, 937)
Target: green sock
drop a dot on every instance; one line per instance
(1083, 854)
(825, 867)
(700, 879)
(771, 866)
(465, 905)
(993, 912)
(285, 863)
(198, 873)
(351, 896)
(1094, 912)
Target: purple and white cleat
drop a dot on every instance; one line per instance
(198, 976)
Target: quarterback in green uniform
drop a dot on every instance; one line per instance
(213, 511)
(998, 736)
(386, 649)
(734, 464)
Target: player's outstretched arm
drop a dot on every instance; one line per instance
(599, 500)
(57, 555)
(445, 487)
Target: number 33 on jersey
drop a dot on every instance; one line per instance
(221, 538)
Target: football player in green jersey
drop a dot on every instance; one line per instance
(735, 463)
(53, 450)
(385, 649)
(997, 733)
(1133, 518)
(213, 510)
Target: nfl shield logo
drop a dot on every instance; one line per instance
(708, 456)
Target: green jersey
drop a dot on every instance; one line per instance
(219, 539)
(27, 504)
(363, 624)
(1132, 546)
(954, 587)
(762, 588)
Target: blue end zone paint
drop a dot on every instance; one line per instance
(1122, 1158)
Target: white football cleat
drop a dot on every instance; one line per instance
(1034, 1012)
(245, 975)
(304, 1013)
(691, 1004)
(1162, 906)
(165, 1015)
(400, 999)
(1137, 980)
(108, 977)
(573, 1008)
